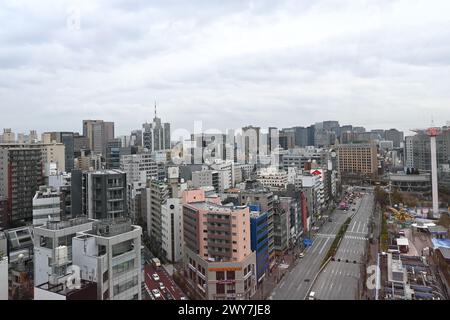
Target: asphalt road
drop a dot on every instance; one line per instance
(340, 280)
(295, 284)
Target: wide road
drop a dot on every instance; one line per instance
(341, 278)
(295, 285)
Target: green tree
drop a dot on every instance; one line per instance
(396, 197)
(381, 196)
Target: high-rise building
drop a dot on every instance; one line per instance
(218, 257)
(325, 133)
(136, 138)
(255, 194)
(156, 135)
(301, 136)
(20, 178)
(139, 167)
(359, 159)
(99, 194)
(282, 208)
(259, 240)
(311, 135)
(112, 156)
(156, 195)
(395, 136)
(287, 138)
(80, 143)
(52, 154)
(67, 139)
(249, 145)
(418, 154)
(172, 217)
(98, 133)
(209, 147)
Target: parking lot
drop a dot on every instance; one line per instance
(163, 282)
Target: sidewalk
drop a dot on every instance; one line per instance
(273, 277)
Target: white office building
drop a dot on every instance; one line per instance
(110, 255)
(139, 167)
(3, 276)
(172, 229)
(273, 178)
(53, 249)
(46, 205)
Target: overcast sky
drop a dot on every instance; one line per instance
(380, 63)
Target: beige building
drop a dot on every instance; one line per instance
(53, 154)
(357, 159)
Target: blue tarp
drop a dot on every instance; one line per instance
(440, 243)
(307, 242)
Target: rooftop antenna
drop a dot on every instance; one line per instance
(155, 108)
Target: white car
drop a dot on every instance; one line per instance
(162, 286)
(301, 255)
(155, 277)
(156, 293)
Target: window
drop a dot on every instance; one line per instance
(220, 288)
(220, 275)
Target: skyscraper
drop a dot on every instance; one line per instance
(156, 135)
(98, 133)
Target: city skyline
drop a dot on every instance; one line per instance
(284, 64)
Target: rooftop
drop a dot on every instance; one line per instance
(445, 253)
(111, 227)
(409, 177)
(209, 206)
(441, 243)
(59, 225)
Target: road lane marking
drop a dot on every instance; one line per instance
(323, 247)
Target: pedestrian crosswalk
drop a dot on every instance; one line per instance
(355, 238)
(324, 235)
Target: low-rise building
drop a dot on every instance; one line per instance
(110, 255)
(412, 183)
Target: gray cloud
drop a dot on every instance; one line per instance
(227, 63)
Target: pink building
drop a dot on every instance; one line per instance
(218, 255)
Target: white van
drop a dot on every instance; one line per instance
(311, 295)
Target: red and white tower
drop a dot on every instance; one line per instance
(433, 132)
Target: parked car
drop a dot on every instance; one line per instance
(301, 255)
(155, 277)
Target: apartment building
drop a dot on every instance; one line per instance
(218, 259)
